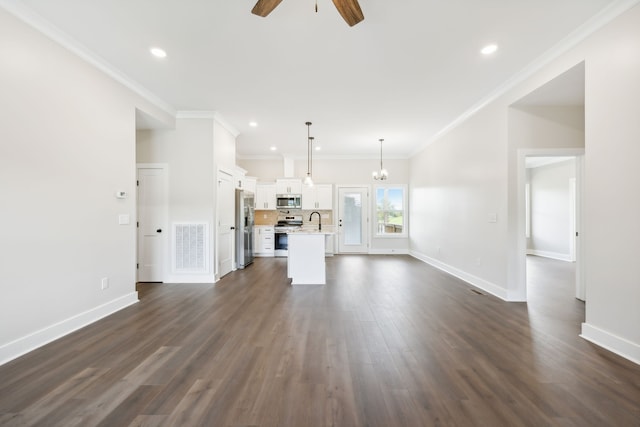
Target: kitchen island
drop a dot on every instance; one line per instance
(305, 261)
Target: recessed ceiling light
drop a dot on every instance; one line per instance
(273, 148)
(157, 52)
(318, 148)
(253, 124)
(489, 49)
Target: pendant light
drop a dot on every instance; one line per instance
(382, 174)
(307, 179)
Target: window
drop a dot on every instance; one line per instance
(391, 218)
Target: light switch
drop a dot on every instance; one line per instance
(493, 217)
(123, 219)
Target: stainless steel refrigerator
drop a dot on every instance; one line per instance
(244, 228)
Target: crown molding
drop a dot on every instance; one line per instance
(599, 20)
(226, 124)
(34, 20)
(211, 115)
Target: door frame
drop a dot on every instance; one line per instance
(216, 257)
(521, 258)
(366, 226)
(164, 212)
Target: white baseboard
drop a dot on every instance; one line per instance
(552, 255)
(21, 346)
(478, 282)
(618, 345)
(388, 251)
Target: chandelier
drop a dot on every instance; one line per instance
(382, 174)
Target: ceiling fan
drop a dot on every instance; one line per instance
(349, 9)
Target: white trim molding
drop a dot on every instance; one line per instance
(475, 281)
(618, 345)
(21, 346)
(605, 16)
(552, 255)
(31, 18)
(210, 115)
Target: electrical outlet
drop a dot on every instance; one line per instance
(438, 249)
(105, 283)
(478, 261)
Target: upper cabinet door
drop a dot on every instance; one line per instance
(288, 186)
(308, 197)
(265, 197)
(320, 196)
(324, 196)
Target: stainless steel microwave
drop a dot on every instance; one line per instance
(288, 201)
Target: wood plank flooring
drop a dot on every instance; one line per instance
(389, 341)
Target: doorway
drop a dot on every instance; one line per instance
(572, 190)
(151, 221)
(353, 219)
(225, 233)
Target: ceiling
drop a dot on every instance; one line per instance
(403, 74)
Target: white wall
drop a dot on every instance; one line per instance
(188, 152)
(343, 172)
(551, 210)
(329, 170)
(612, 229)
(67, 144)
(193, 151)
(473, 170)
(458, 185)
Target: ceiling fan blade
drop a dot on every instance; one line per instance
(265, 7)
(350, 11)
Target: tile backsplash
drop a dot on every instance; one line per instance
(271, 217)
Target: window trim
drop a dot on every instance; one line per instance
(405, 212)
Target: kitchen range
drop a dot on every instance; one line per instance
(286, 224)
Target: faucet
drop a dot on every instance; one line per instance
(319, 219)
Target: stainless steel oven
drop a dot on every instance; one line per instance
(281, 247)
(285, 225)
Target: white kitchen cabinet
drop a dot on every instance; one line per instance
(320, 196)
(264, 240)
(288, 186)
(249, 183)
(265, 196)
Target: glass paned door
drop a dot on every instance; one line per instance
(352, 219)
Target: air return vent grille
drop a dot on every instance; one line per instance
(190, 247)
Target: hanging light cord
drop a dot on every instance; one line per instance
(310, 156)
(309, 139)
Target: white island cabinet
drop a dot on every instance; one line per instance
(305, 263)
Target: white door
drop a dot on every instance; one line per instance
(226, 222)
(353, 219)
(152, 227)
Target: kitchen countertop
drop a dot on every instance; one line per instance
(326, 233)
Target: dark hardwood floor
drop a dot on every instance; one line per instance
(389, 341)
